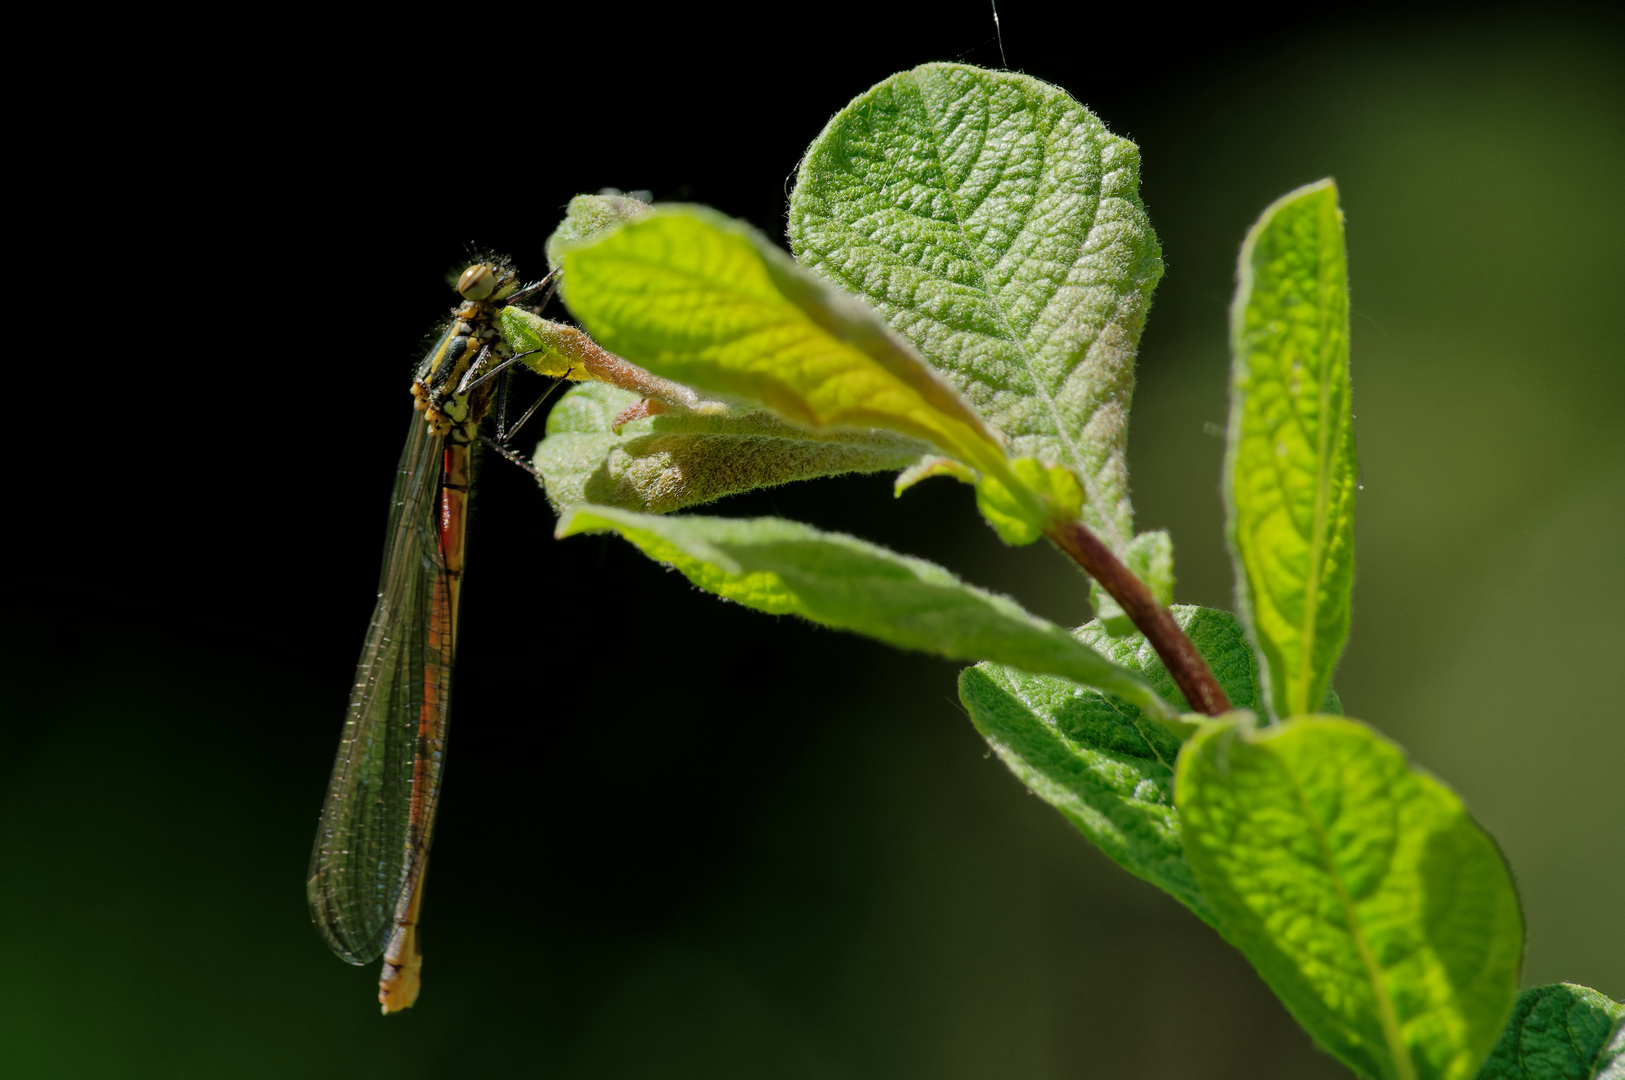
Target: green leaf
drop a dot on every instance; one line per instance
(707, 301)
(1289, 469)
(672, 460)
(786, 568)
(1151, 558)
(588, 216)
(1360, 888)
(929, 466)
(694, 296)
(1560, 1032)
(1010, 512)
(997, 224)
(1098, 759)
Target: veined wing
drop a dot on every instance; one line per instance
(369, 849)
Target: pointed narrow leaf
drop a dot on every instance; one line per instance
(786, 568)
(997, 224)
(1359, 887)
(1560, 1032)
(1289, 469)
(669, 461)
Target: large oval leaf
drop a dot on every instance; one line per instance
(997, 224)
(1359, 887)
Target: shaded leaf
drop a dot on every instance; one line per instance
(1289, 468)
(997, 224)
(1360, 888)
(1560, 1032)
(786, 568)
(1099, 760)
(672, 460)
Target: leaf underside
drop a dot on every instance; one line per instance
(786, 568)
(674, 460)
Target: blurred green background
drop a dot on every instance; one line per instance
(680, 839)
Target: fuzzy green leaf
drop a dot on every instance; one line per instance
(1098, 759)
(1289, 469)
(666, 462)
(1360, 888)
(1151, 557)
(786, 568)
(697, 297)
(997, 224)
(1560, 1032)
(1009, 512)
(589, 216)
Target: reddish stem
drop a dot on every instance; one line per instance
(1189, 670)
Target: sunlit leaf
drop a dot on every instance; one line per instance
(1289, 470)
(997, 224)
(707, 301)
(1360, 888)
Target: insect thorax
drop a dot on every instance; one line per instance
(470, 335)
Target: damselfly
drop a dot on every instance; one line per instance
(366, 871)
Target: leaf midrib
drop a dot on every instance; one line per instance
(1389, 1018)
(1326, 425)
(1039, 389)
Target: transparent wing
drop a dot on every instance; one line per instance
(370, 845)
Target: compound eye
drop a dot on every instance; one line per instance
(477, 282)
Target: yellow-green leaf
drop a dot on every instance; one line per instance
(1289, 469)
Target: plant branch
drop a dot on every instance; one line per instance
(1189, 670)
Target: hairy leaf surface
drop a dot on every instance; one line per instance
(1099, 760)
(786, 568)
(1289, 468)
(997, 224)
(697, 297)
(666, 462)
(1359, 887)
(1560, 1032)
(588, 216)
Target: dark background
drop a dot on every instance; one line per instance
(679, 838)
